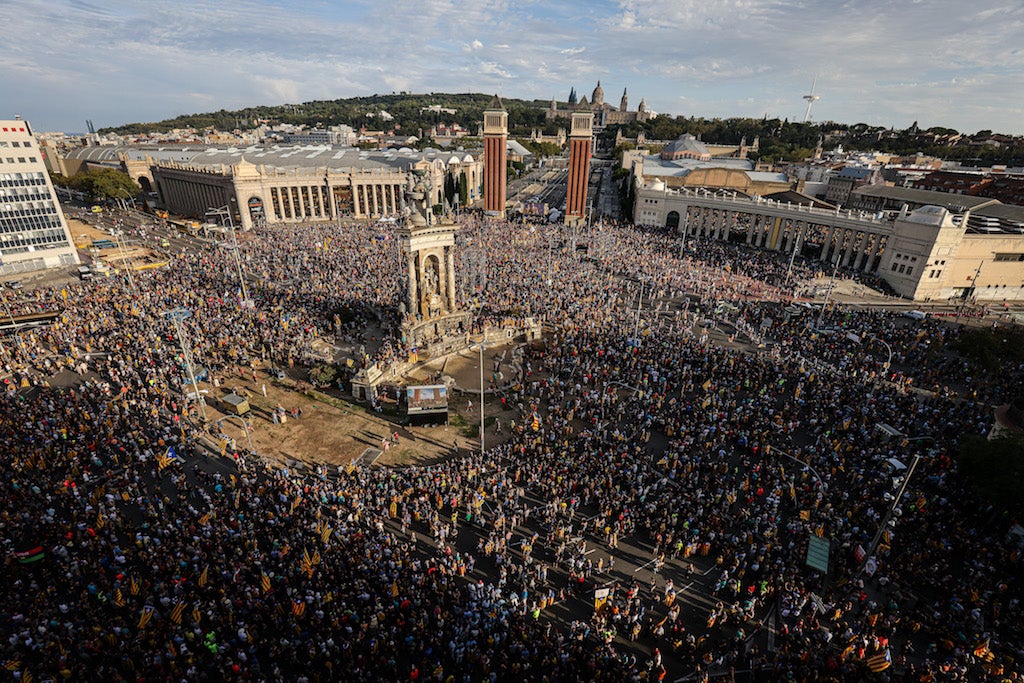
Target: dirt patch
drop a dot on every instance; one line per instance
(330, 430)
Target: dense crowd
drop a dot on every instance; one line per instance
(642, 429)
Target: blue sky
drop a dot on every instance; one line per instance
(887, 62)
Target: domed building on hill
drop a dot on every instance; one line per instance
(605, 114)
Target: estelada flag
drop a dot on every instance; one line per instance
(119, 598)
(177, 612)
(265, 582)
(196, 614)
(133, 585)
(203, 576)
(880, 662)
(147, 614)
(298, 607)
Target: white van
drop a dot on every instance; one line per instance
(915, 315)
(85, 272)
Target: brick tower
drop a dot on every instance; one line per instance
(495, 153)
(580, 141)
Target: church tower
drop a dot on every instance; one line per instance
(624, 103)
(495, 153)
(580, 140)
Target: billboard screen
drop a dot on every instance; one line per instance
(427, 399)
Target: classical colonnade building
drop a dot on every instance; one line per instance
(931, 252)
(289, 184)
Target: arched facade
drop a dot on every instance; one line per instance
(672, 220)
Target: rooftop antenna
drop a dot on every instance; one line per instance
(811, 98)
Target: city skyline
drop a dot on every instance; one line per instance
(941, 63)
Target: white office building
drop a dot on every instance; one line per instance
(33, 232)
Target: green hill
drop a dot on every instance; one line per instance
(778, 138)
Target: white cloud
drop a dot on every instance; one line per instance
(959, 64)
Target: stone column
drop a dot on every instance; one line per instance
(826, 242)
(291, 202)
(451, 278)
(413, 289)
(858, 263)
(855, 238)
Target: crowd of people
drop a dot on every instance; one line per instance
(676, 418)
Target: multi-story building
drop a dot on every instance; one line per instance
(842, 184)
(954, 182)
(285, 184)
(33, 232)
(926, 245)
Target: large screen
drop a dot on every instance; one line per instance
(427, 399)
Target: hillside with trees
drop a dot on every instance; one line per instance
(778, 138)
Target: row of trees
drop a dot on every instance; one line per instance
(408, 114)
(99, 184)
(791, 141)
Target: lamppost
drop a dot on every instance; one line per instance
(888, 349)
(220, 213)
(122, 249)
(634, 390)
(177, 316)
(828, 292)
(639, 303)
(245, 428)
(888, 515)
(821, 481)
(480, 346)
(888, 361)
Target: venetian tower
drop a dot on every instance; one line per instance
(580, 140)
(495, 153)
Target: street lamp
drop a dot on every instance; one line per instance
(888, 515)
(821, 481)
(177, 316)
(888, 361)
(629, 387)
(220, 213)
(828, 292)
(245, 429)
(480, 347)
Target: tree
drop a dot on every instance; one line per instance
(995, 470)
(105, 183)
(463, 189)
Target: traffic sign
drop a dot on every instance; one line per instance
(817, 553)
